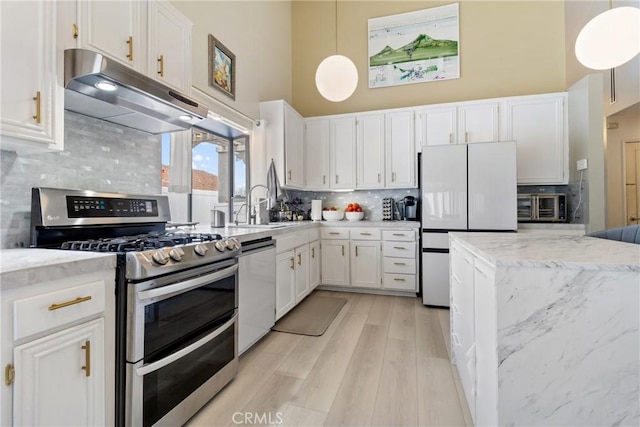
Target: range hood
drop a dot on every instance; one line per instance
(99, 87)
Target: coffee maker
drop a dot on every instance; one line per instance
(410, 205)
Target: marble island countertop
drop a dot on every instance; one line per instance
(27, 266)
(535, 249)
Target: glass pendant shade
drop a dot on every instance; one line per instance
(336, 78)
(610, 39)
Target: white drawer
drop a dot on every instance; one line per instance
(314, 234)
(399, 249)
(399, 235)
(290, 241)
(362, 233)
(43, 312)
(401, 282)
(334, 233)
(399, 265)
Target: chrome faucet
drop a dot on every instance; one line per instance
(252, 216)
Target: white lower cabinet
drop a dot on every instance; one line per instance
(314, 264)
(302, 272)
(399, 263)
(61, 379)
(365, 264)
(285, 283)
(335, 262)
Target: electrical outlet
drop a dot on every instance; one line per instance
(581, 164)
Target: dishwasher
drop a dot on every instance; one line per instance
(256, 291)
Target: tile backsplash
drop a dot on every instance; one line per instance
(97, 156)
(370, 200)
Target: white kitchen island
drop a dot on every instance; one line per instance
(545, 328)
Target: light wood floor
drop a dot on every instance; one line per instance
(384, 361)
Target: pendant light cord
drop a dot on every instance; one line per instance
(336, 21)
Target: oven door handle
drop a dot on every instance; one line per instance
(187, 285)
(151, 367)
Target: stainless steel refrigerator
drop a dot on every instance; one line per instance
(469, 187)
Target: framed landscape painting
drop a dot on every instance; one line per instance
(414, 47)
(222, 68)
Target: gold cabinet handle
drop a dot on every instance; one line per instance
(299, 259)
(393, 177)
(87, 358)
(68, 303)
(289, 174)
(74, 31)
(398, 247)
(161, 62)
(336, 179)
(466, 137)
(450, 138)
(398, 279)
(378, 178)
(292, 266)
(36, 98)
(313, 253)
(334, 232)
(130, 43)
(324, 179)
(398, 234)
(365, 234)
(9, 374)
(399, 263)
(342, 250)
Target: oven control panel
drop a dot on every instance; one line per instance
(105, 207)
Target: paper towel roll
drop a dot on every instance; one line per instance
(316, 210)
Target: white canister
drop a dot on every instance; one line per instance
(316, 210)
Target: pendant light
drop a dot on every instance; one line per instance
(337, 75)
(610, 39)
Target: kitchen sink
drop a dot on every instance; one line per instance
(271, 225)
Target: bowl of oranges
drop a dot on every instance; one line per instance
(354, 212)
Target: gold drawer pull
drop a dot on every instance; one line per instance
(87, 358)
(399, 263)
(38, 116)
(365, 234)
(161, 62)
(292, 266)
(313, 253)
(299, 259)
(68, 303)
(398, 247)
(398, 234)
(334, 232)
(130, 43)
(398, 279)
(342, 250)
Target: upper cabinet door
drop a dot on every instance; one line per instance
(113, 29)
(316, 153)
(169, 35)
(401, 153)
(439, 126)
(343, 152)
(478, 122)
(370, 151)
(31, 104)
(537, 124)
(293, 147)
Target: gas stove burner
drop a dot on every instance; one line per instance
(142, 242)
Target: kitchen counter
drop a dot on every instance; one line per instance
(532, 248)
(28, 266)
(546, 328)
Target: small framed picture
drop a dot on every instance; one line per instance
(222, 68)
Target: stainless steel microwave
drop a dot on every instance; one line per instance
(550, 207)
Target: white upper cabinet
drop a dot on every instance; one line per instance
(31, 104)
(478, 122)
(439, 125)
(316, 154)
(284, 139)
(114, 29)
(371, 150)
(538, 125)
(343, 152)
(169, 34)
(400, 148)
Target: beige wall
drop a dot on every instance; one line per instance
(628, 122)
(506, 48)
(258, 33)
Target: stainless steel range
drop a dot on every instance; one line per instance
(176, 298)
